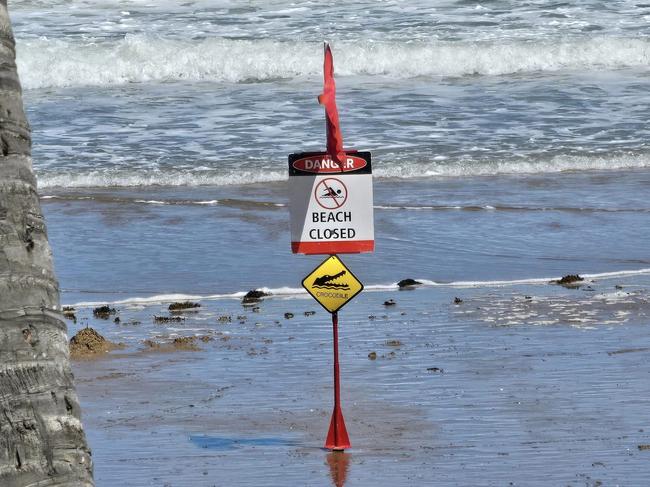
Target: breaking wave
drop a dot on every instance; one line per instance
(141, 58)
(63, 178)
(556, 164)
(290, 292)
(126, 178)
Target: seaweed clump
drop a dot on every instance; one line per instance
(253, 296)
(87, 343)
(407, 283)
(104, 312)
(570, 280)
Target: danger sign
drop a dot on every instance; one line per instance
(331, 203)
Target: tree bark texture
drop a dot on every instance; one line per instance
(42, 442)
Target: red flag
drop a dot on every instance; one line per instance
(328, 100)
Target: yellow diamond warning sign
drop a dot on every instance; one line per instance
(332, 284)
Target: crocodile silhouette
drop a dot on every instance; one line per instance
(325, 281)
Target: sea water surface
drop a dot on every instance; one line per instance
(509, 144)
(509, 138)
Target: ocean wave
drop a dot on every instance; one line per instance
(119, 199)
(98, 178)
(159, 299)
(533, 281)
(126, 178)
(283, 292)
(141, 58)
(556, 164)
(290, 292)
(511, 208)
(252, 204)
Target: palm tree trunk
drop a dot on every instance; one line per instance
(42, 442)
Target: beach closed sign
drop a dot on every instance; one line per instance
(331, 203)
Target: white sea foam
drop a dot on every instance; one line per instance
(282, 291)
(132, 178)
(381, 287)
(170, 298)
(395, 170)
(617, 274)
(141, 58)
(470, 284)
(291, 292)
(152, 202)
(159, 299)
(533, 281)
(555, 164)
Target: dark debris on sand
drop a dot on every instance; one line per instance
(186, 343)
(181, 306)
(167, 319)
(69, 313)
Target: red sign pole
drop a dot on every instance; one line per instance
(337, 437)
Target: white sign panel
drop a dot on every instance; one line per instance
(331, 207)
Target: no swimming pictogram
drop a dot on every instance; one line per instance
(331, 193)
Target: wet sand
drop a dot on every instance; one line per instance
(515, 385)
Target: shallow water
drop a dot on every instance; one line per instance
(467, 395)
(113, 245)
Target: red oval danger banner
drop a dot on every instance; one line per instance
(325, 164)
